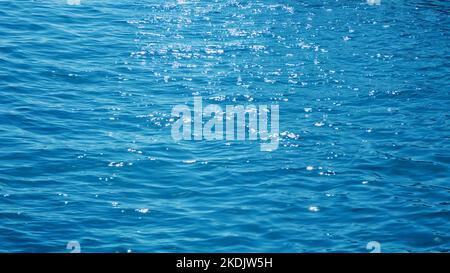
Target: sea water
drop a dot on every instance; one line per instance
(87, 158)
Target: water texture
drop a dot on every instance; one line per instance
(86, 153)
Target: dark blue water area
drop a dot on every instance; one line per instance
(86, 153)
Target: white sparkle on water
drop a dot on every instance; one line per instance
(374, 2)
(144, 210)
(74, 2)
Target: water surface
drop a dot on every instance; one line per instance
(86, 93)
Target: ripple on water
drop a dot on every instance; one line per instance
(86, 98)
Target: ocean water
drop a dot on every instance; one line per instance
(86, 153)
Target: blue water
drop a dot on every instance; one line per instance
(86, 153)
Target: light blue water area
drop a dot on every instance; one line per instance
(86, 153)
